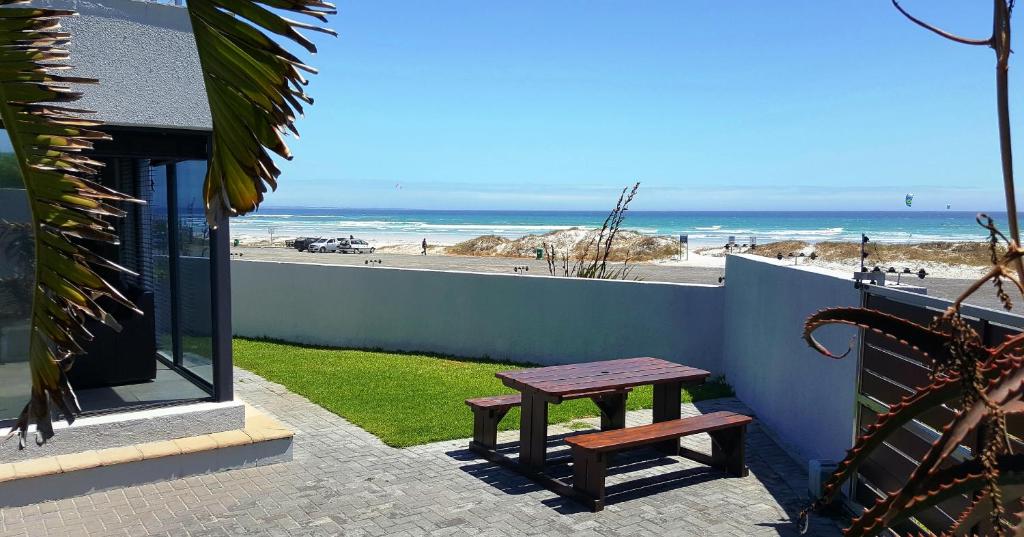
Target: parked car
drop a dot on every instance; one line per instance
(355, 246)
(301, 243)
(324, 245)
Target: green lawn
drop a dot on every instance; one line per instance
(407, 399)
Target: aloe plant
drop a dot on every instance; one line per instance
(986, 383)
(255, 90)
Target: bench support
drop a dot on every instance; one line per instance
(488, 411)
(485, 425)
(588, 475)
(592, 453)
(727, 450)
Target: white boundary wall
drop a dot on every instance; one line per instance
(543, 320)
(806, 399)
(750, 329)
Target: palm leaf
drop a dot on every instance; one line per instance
(255, 91)
(66, 205)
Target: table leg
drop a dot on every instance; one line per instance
(667, 399)
(613, 411)
(533, 431)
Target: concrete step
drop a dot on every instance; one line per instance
(261, 441)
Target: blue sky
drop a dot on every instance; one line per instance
(711, 105)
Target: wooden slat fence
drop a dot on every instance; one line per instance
(890, 371)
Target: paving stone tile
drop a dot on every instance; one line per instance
(344, 481)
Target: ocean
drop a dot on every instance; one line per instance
(703, 228)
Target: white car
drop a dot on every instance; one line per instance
(325, 245)
(355, 246)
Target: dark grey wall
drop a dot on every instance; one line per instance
(145, 57)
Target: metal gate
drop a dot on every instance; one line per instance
(888, 372)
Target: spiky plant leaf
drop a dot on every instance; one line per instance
(934, 488)
(255, 90)
(980, 509)
(1002, 371)
(67, 205)
(914, 336)
(911, 407)
(925, 340)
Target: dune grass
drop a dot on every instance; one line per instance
(884, 254)
(407, 399)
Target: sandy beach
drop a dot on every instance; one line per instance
(949, 265)
(940, 259)
(700, 269)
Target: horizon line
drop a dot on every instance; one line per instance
(328, 207)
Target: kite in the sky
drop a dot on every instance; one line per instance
(909, 200)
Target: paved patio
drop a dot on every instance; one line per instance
(344, 481)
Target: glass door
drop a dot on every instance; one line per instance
(193, 256)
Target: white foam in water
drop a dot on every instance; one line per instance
(449, 227)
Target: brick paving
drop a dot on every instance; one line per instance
(344, 481)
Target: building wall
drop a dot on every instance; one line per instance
(145, 58)
(807, 400)
(534, 319)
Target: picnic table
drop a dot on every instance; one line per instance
(607, 384)
(542, 386)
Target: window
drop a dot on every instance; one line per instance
(196, 297)
(175, 351)
(17, 276)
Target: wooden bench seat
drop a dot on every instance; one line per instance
(590, 452)
(488, 412)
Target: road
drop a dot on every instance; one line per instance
(940, 287)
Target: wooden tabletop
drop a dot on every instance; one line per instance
(563, 380)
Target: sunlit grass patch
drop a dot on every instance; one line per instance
(407, 399)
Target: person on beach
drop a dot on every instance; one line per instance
(424, 246)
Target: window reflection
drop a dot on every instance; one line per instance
(156, 201)
(17, 256)
(166, 243)
(194, 270)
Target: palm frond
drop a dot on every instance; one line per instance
(255, 90)
(67, 205)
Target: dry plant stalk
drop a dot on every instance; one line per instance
(592, 261)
